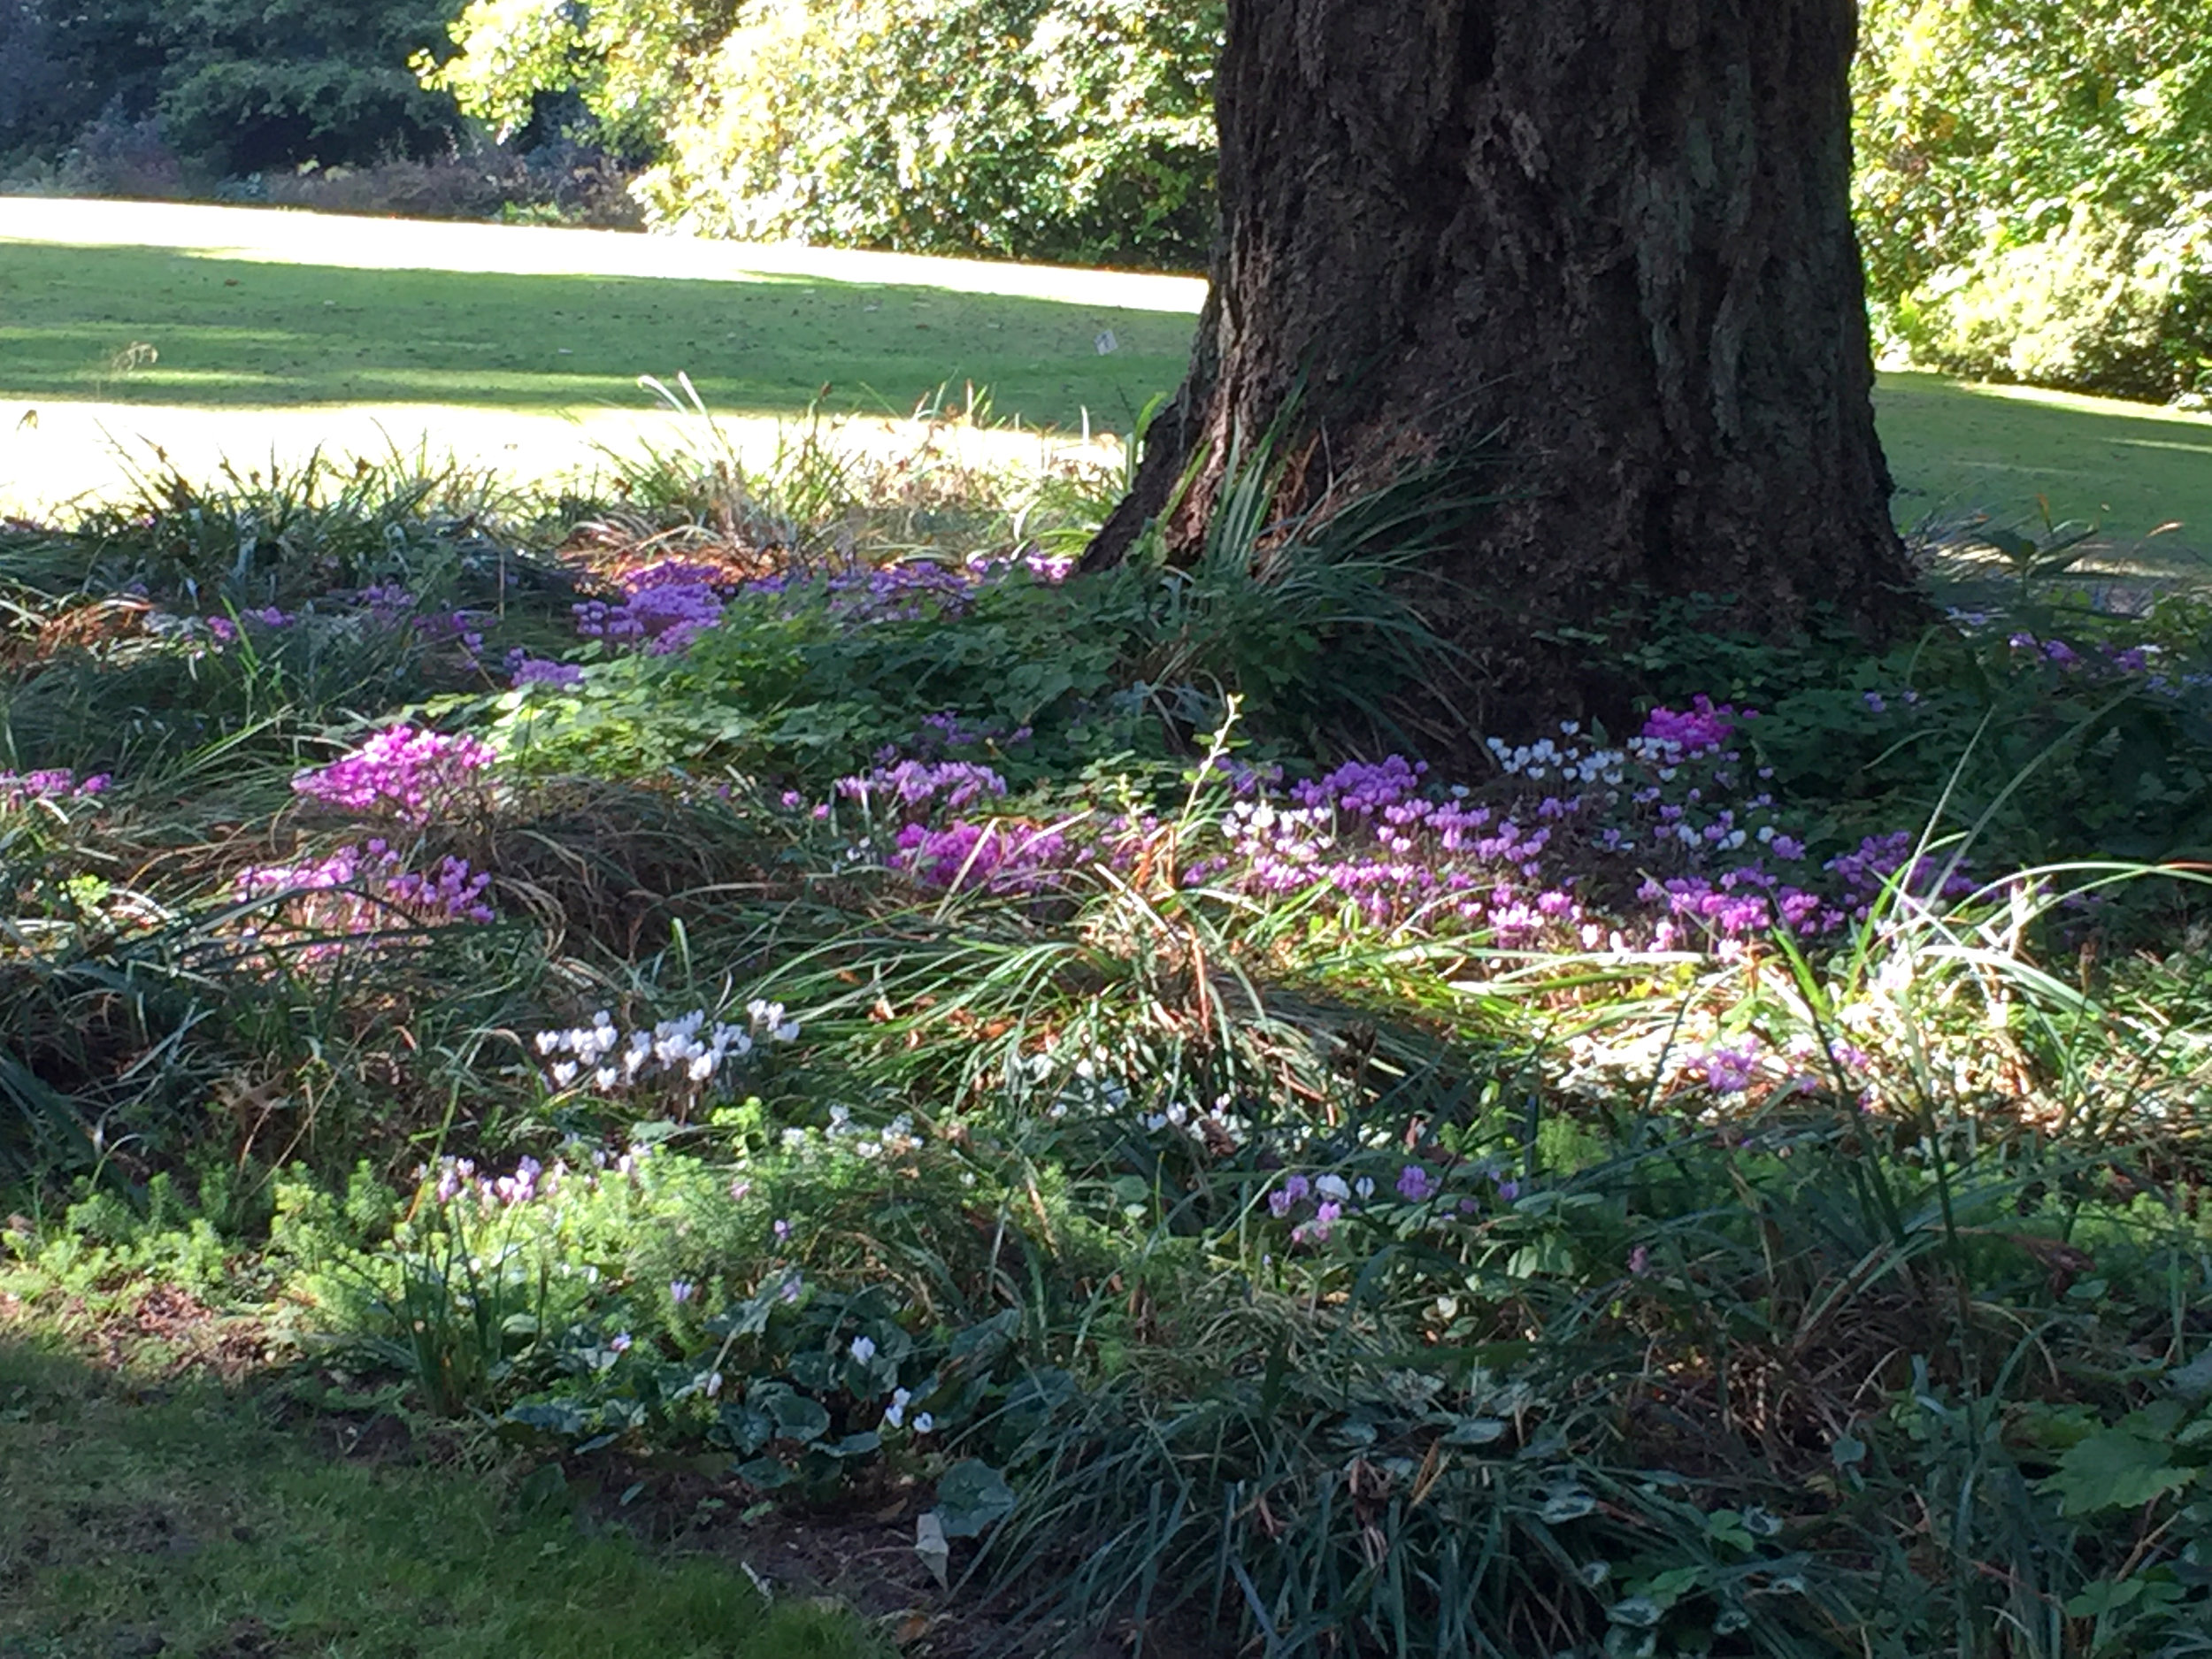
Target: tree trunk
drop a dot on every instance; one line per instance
(1607, 242)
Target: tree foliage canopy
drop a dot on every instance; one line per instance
(240, 85)
(1075, 129)
(2035, 187)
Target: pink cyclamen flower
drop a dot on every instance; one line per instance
(402, 772)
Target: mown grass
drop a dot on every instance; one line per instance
(138, 1517)
(238, 328)
(267, 317)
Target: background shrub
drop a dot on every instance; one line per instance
(1054, 129)
(2031, 192)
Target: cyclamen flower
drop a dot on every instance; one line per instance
(368, 889)
(1416, 1185)
(1695, 730)
(915, 783)
(18, 790)
(681, 1291)
(895, 1413)
(404, 773)
(666, 607)
(686, 1047)
(1728, 1071)
(525, 670)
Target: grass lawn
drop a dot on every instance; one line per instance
(212, 331)
(181, 1521)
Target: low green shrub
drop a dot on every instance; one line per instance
(2099, 305)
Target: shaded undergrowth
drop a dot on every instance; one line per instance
(778, 971)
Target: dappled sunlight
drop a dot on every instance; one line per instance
(54, 453)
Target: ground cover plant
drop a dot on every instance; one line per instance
(773, 979)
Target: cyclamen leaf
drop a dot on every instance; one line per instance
(798, 1418)
(970, 1495)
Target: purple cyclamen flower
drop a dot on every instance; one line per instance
(18, 790)
(1729, 1071)
(525, 670)
(1416, 1185)
(681, 1291)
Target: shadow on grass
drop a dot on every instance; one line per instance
(2130, 468)
(185, 1520)
(158, 325)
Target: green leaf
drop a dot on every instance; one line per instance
(2114, 1470)
(765, 1474)
(748, 1427)
(985, 1342)
(2104, 1597)
(798, 1418)
(1638, 1612)
(970, 1495)
(563, 1417)
(1476, 1432)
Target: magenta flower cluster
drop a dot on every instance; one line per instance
(365, 888)
(404, 773)
(1000, 855)
(20, 789)
(1700, 727)
(954, 785)
(1322, 1203)
(226, 631)
(1679, 808)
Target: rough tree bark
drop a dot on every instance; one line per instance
(1610, 238)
